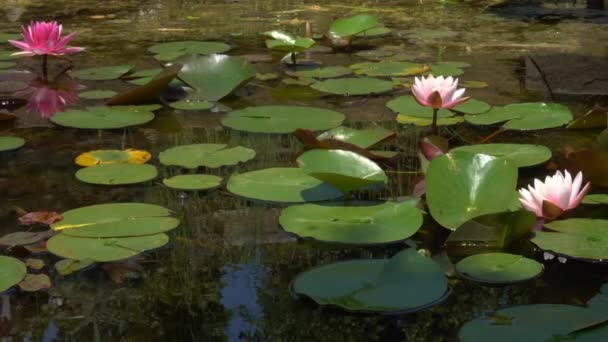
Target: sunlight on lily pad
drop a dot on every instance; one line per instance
(498, 268)
(346, 27)
(284, 41)
(208, 155)
(363, 138)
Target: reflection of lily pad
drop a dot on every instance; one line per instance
(98, 157)
(406, 282)
(117, 174)
(282, 119)
(364, 138)
(284, 185)
(103, 117)
(97, 94)
(354, 86)
(524, 116)
(344, 170)
(103, 73)
(208, 155)
(346, 27)
(320, 72)
(353, 222)
(9, 143)
(12, 272)
(193, 182)
(579, 238)
(172, 50)
(522, 155)
(499, 268)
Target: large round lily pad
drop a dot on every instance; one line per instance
(363, 138)
(283, 185)
(388, 68)
(117, 174)
(12, 271)
(462, 185)
(320, 72)
(99, 157)
(498, 268)
(524, 116)
(405, 283)
(345, 170)
(193, 182)
(406, 105)
(216, 76)
(102, 74)
(579, 238)
(282, 119)
(9, 143)
(172, 50)
(208, 155)
(104, 249)
(522, 155)
(354, 86)
(116, 220)
(346, 27)
(103, 117)
(358, 223)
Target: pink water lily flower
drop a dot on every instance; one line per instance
(556, 194)
(438, 92)
(44, 38)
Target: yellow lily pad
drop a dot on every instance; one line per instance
(100, 157)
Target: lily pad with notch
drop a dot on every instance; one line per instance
(207, 155)
(524, 116)
(346, 27)
(103, 117)
(498, 268)
(523, 155)
(579, 238)
(173, 50)
(352, 86)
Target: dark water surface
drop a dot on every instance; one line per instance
(227, 272)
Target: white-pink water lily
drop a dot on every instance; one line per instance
(438, 92)
(559, 190)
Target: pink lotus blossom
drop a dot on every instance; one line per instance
(49, 98)
(44, 38)
(438, 92)
(556, 195)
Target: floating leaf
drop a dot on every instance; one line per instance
(407, 106)
(102, 157)
(215, 77)
(282, 119)
(346, 27)
(116, 220)
(417, 121)
(142, 77)
(103, 117)
(579, 238)
(192, 105)
(595, 199)
(193, 182)
(104, 249)
(345, 170)
(353, 86)
(522, 155)
(284, 41)
(498, 268)
(375, 32)
(283, 185)
(97, 94)
(12, 272)
(208, 155)
(24, 238)
(8, 143)
(35, 282)
(5, 36)
(148, 92)
(302, 81)
(319, 72)
(102, 74)
(524, 116)
(444, 70)
(461, 186)
(173, 50)
(407, 282)
(388, 68)
(472, 106)
(363, 138)
(34, 264)
(358, 223)
(69, 266)
(117, 174)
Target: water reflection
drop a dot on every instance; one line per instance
(49, 97)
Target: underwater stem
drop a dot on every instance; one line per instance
(45, 67)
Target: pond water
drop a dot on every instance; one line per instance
(228, 269)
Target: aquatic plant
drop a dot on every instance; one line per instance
(47, 98)
(558, 193)
(44, 38)
(437, 93)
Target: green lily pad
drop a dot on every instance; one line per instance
(351, 86)
(192, 105)
(444, 70)
(97, 94)
(282, 119)
(9, 143)
(417, 121)
(208, 155)
(346, 27)
(5, 65)
(8, 55)
(103, 73)
(462, 185)
(407, 282)
(12, 271)
(356, 223)
(35, 282)
(216, 76)
(364, 138)
(407, 106)
(578, 238)
(595, 199)
(5, 37)
(388, 68)
(173, 50)
(284, 41)
(375, 32)
(523, 155)
(116, 220)
(69, 266)
(320, 72)
(498, 268)
(117, 174)
(281, 185)
(193, 182)
(103, 117)
(301, 81)
(524, 116)
(345, 170)
(472, 106)
(104, 249)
